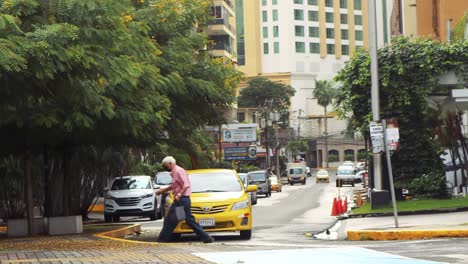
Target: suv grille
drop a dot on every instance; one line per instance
(128, 201)
(209, 210)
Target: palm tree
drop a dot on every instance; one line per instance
(325, 93)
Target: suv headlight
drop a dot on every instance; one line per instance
(109, 197)
(240, 205)
(149, 195)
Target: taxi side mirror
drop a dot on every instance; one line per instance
(252, 188)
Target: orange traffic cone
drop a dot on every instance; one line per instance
(345, 204)
(335, 208)
(339, 206)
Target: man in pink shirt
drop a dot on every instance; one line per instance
(181, 189)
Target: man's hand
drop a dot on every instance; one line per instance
(158, 192)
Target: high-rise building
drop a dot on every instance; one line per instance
(223, 31)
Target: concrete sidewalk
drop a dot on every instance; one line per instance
(416, 226)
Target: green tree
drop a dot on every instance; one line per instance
(407, 75)
(325, 94)
(295, 147)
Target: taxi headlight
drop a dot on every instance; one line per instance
(240, 205)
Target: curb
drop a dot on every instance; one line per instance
(431, 211)
(403, 234)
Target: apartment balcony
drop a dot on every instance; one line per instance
(227, 4)
(224, 50)
(221, 27)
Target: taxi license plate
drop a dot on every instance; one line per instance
(207, 222)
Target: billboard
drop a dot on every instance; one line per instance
(240, 153)
(239, 133)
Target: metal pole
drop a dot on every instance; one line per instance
(277, 152)
(267, 148)
(375, 88)
(449, 30)
(390, 173)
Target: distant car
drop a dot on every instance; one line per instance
(359, 175)
(322, 176)
(260, 179)
(344, 175)
(276, 184)
(361, 166)
(219, 203)
(131, 196)
(245, 179)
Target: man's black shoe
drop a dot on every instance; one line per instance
(209, 240)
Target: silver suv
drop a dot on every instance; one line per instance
(131, 196)
(260, 179)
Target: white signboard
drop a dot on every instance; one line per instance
(239, 132)
(376, 133)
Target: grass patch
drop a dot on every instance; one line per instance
(415, 205)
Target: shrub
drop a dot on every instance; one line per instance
(332, 158)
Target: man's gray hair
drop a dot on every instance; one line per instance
(169, 159)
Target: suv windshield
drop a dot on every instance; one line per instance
(346, 172)
(257, 177)
(295, 171)
(225, 181)
(163, 178)
(131, 183)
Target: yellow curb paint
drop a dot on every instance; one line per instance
(3, 228)
(403, 234)
(97, 208)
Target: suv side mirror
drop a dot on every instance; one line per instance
(156, 187)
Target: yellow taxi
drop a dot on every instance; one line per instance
(276, 184)
(322, 176)
(219, 202)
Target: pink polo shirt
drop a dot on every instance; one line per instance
(179, 181)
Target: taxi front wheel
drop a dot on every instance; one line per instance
(246, 234)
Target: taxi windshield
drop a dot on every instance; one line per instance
(219, 181)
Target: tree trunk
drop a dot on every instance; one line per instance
(326, 136)
(28, 192)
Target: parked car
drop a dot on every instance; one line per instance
(219, 202)
(162, 180)
(276, 184)
(260, 179)
(349, 163)
(344, 175)
(359, 175)
(132, 196)
(245, 180)
(322, 176)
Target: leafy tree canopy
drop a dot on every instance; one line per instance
(407, 76)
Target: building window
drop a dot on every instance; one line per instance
(298, 14)
(330, 33)
(344, 19)
(275, 31)
(357, 5)
(274, 2)
(344, 34)
(314, 32)
(300, 47)
(329, 3)
(264, 2)
(298, 1)
(330, 48)
(312, 2)
(265, 32)
(276, 47)
(217, 11)
(345, 49)
(241, 117)
(343, 3)
(264, 16)
(358, 20)
(313, 15)
(314, 48)
(299, 30)
(265, 48)
(275, 15)
(359, 35)
(329, 17)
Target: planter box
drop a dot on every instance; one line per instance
(19, 227)
(63, 225)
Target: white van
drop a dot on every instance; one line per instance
(132, 196)
(344, 175)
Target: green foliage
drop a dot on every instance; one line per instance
(325, 93)
(247, 168)
(332, 158)
(349, 157)
(407, 75)
(458, 31)
(297, 146)
(12, 203)
(431, 185)
(221, 164)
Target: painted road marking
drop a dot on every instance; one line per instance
(322, 255)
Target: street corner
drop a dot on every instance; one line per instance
(360, 235)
